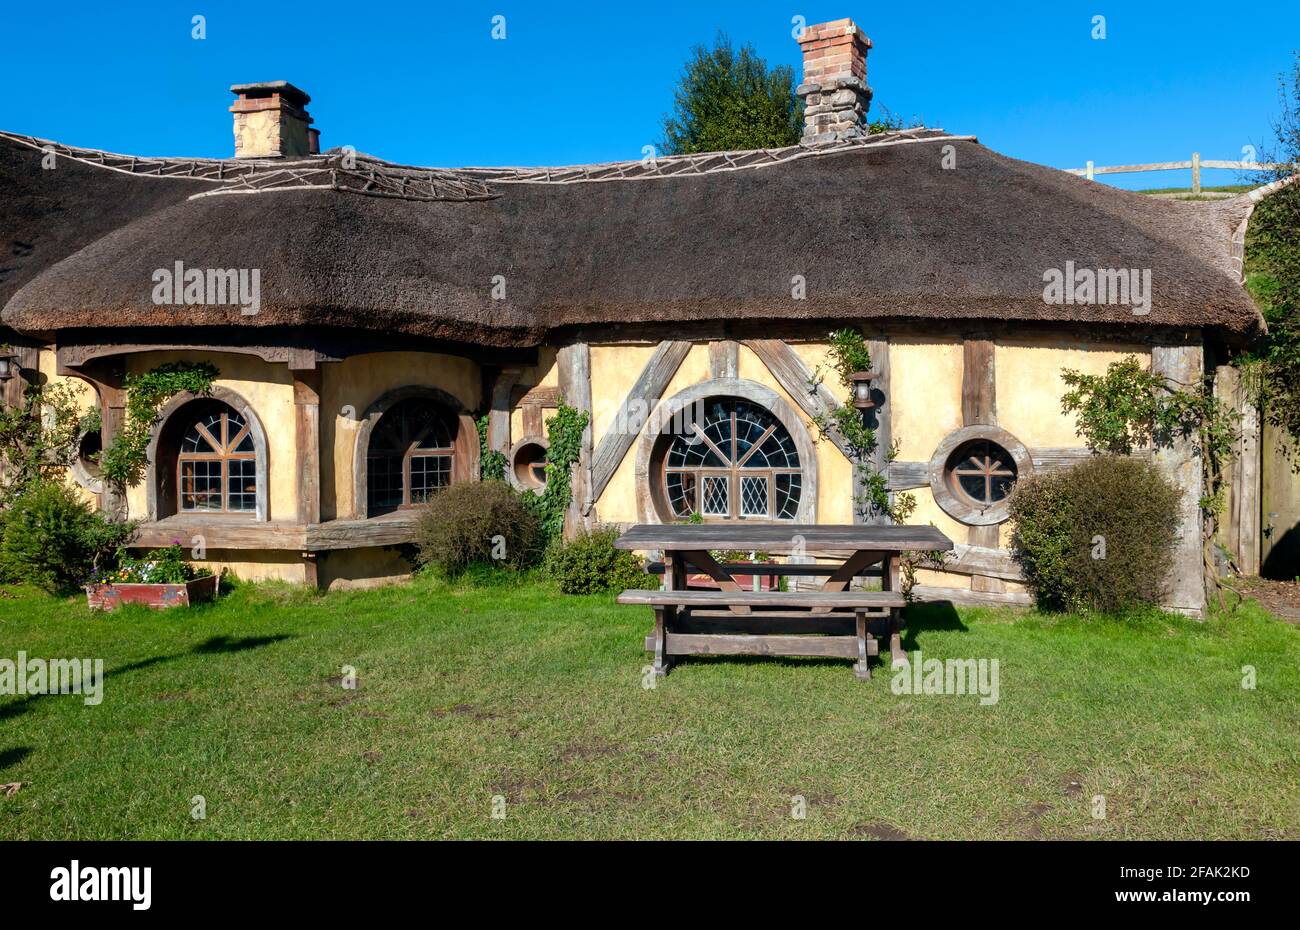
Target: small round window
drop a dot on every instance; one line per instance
(981, 472)
(528, 465)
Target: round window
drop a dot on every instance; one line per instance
(973, 472)
(528, 465)
(982, 472)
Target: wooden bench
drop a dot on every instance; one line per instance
(695, 622)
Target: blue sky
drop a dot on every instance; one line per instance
(425, 83)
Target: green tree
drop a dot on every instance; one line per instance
(1272, 367)
(728, 100)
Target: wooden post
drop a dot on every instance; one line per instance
(881, 419)
(499, 412)
(979, 407)
(306, 408)
(1247, 474)
(1089, 171)
(575, 388)
(1196, 172)
(724, 359)
(1184, 366)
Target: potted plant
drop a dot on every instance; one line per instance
(160, 579)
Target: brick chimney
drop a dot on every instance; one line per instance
(271, 121)
(834, 89)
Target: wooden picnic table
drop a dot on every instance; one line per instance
(731, 620)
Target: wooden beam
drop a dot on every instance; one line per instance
(1247, 496)
(306, 409)
(1184, 365)
(637, 406)
(990, 561)
(979, 407)
(499, 411)
(575, 386)
(724, 359)
(814, 399)
(978, 383)
(964, 598)
(881, 419)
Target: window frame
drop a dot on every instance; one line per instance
(224, 455)
(734, 469)
(409, 449)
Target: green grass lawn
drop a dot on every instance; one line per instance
(537, 697)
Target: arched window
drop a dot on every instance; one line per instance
(733, 460)
(409, 456)
(216, 464)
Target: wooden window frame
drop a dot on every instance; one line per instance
(225, 455)
(734, 469)
(413, 451)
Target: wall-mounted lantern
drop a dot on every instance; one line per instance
(8, 365)
(862, 398)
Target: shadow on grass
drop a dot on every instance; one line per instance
(938, 616)
(9, 757)
(220, 644)
(216, 645)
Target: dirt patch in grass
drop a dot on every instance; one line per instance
(467, 710)
(880, 830)
(588, 750)
(1278, 597)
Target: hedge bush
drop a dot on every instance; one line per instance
(589, 563)
(459, 524)
(1098, 536)
(55, 540)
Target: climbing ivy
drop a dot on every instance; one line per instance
(491, 463)
(564, 445)
(1129, 406)
(848, 354)
(123, 462)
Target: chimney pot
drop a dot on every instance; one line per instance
(834, 89)
(271, 121)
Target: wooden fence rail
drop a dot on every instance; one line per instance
(1196, 164)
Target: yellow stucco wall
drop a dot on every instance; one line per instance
(1029, 384)
(349, 387)
(268, 389)
(86, 398)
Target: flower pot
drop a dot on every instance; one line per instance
(157, 596)
(765, 582)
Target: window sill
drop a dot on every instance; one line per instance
(224, 531)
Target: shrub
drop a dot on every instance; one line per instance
(161, 566)
(589, 563)
(54, 540)
(1098, 536)
(458, 526)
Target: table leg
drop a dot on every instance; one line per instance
(841, 577)
(662, 623)
(862, 668)
(701, 559)
(889, 581)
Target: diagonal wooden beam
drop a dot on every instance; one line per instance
(793, 375)
(635, 410)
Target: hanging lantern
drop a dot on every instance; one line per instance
(8, 365)
(862, 398)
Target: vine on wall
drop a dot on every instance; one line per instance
(848, 354)
(491, 463)
(123, 463)
(564, 439)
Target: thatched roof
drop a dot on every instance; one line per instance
(878, 229)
